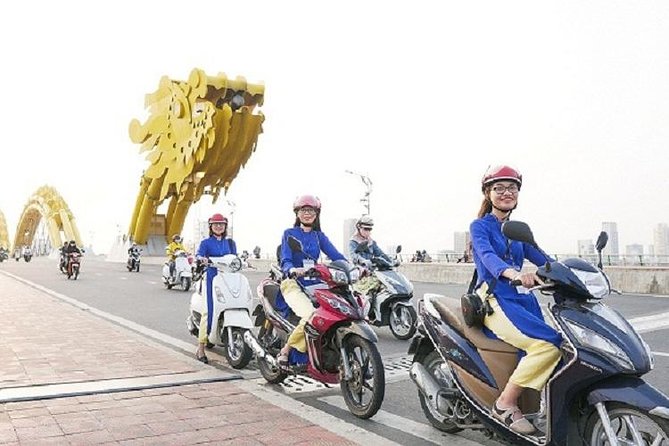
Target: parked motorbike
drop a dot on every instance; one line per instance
(134, 260)
(233, 305)
(595, 397)
(3, 255)
(27, 254)
(183, 272)
(391, 304)
(341, 346)
(73, 265)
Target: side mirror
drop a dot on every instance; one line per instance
(362, 247)
(398, 249)
(519, 231)
(294, 244)
(602, 240)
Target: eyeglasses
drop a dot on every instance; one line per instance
(219, 224)
(307, 210)
(365, 229)
(500, 189)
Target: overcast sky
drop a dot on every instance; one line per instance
(419, 97)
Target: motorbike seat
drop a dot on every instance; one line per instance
(450, 311)
(273, 294)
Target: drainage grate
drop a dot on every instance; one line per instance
(303, 384)
(397, 369)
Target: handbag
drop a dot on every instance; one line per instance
(475, 309)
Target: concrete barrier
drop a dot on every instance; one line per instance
(627, 279)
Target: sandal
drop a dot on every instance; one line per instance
(202, 358)
(282, 359)
(506, 416)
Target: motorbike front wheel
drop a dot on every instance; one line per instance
(432, 364)
(239, 355)
(402, 322)
(631, 425)
(75, 274)
(364, 392)
(268, 339)
(185, 283)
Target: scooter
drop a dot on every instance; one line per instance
(341, 346)
(3, 255)
(233, 305)
(392, 303)
(595, 397)
(27, 254)
(183, 272)
(133, 260)
(73, 265)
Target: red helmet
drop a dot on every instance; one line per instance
(501, 173)
(307, 200)
(217, 218)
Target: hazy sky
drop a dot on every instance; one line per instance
(420, 96)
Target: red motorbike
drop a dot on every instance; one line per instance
(341, 345)
(73, 265)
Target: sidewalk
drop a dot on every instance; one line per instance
(70, 377)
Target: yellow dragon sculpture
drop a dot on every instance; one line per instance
(199, 134)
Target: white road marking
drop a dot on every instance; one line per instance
(151, 283)
(654, 322)
(420, 430)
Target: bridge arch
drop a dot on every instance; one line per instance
(4, 235)
(46, 203)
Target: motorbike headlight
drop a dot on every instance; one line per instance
(219, 295)
(594, 341)
(355, 275)
(649, 352)
(337, 305)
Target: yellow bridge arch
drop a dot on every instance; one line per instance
(4, 235)
(199, 134)
(46, 203)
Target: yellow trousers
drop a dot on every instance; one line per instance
(302, 307)
(541, 357)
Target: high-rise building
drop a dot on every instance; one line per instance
(349, 229)
(460, 241)
(661, 239)
(586, 248)
(611, 228)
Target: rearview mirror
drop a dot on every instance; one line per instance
(519, 231)
(602, 240)
(398, 249)
(294, 244)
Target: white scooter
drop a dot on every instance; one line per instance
(183, 272)
(233, 306)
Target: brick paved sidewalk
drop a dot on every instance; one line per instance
(45, 341)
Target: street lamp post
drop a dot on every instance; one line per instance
(232, 206)
(365, 200)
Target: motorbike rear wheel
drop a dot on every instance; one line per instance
(240, 355)
(432, 362)
(402, 322)
(368, 377)
(631, 426)
(272, 375)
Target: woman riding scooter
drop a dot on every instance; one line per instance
(307, 229)
(516, 316)
(214, 246)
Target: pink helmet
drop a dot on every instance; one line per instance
(501, 173)
(307, 200)
(217, 218)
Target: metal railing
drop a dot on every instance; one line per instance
(607, 260)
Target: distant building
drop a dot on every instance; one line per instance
(349, 229)
(460, 241)
(586, 248)
(611, 228)
(200, 232)
(661, 239)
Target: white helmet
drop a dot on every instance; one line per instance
(365, 222)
